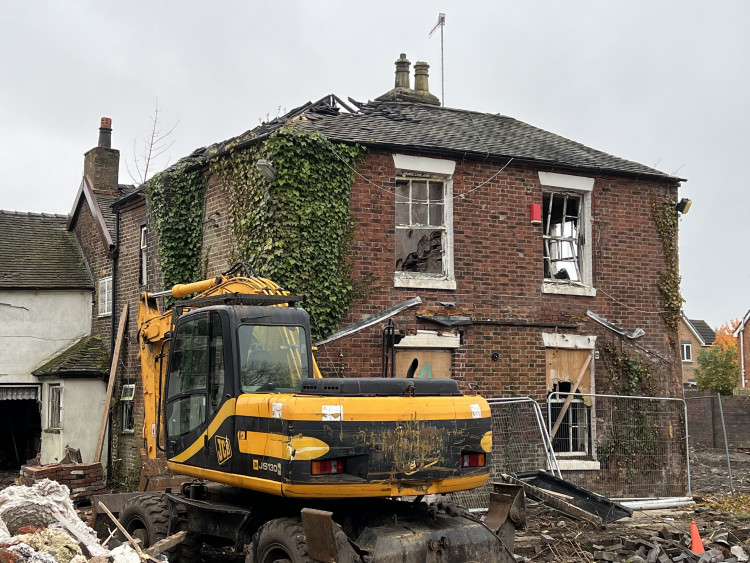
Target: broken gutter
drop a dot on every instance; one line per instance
(462, 320)
(369, 321)
(632, 335)
(654, 503)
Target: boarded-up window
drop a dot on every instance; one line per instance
(432, 364)
(564, 367)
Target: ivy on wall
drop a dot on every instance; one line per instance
(667, 224)
(177, 199)
(625, 374)
(296, 229)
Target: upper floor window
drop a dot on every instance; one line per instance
(687, 352)
(105, 296)
(143, 271)
(566, 234)
(424, 223)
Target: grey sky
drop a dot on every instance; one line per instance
(663, 83)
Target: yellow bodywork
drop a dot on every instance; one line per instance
(154, 324)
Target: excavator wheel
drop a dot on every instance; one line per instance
(281, 541)
(146, 518)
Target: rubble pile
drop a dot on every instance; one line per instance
(38, 524)
(647, 538)
(82, 479)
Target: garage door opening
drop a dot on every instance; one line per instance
(20, 439)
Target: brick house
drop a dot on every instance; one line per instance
(512, 259)
(695, 334)
(742, 334)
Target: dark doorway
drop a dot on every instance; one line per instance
(22, 431)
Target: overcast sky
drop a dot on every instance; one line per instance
(663, 83)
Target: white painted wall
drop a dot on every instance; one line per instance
(82, 408)
(37, 325)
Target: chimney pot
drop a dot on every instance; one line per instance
(105, 133)
(421, 76)
(402, 72)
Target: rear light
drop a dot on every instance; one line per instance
(327, 467)
(472, 460)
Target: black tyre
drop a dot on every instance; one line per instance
(146, 518)
(281, 541)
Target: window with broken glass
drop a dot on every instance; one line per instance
(563, 236)
(127, 399)
(421, 227)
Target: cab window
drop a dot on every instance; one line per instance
(272, 358)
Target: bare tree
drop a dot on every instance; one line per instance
(155, 145)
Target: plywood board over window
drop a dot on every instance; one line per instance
(433, 364)
(563, 366)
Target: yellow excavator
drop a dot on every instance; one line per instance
(291, 466)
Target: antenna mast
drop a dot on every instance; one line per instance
(441, 24)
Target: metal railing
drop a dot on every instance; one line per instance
(626, 447)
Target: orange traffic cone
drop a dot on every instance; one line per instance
(696, 543)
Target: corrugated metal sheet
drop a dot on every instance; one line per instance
(20, 393)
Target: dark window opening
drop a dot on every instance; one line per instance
(563, 236)
(574, 434)
(420, 226)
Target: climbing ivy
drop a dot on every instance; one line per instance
(626, 374)
(296, 229)
(177, 199)
(667, 223)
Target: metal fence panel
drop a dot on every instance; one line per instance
(640, 444)
(519, 443)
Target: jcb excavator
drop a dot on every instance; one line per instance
(287, 464)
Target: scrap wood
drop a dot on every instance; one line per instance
(163, 545)
(128, 537)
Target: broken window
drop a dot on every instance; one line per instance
(687, 352)
(105, 296)
(128, 416)
(420, 226)
(54, 405)
(563, 236)
(143, 271)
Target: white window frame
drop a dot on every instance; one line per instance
(144, 255)
(54, 406)
(104, 297)
(127, 399)
(412, 167)
(582, 186)
(687, 358)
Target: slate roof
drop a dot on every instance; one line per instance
(706, 333)
(86, 358)
(37, 252)
(423, 127)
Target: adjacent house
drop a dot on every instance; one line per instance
(695, 334)
(51, 371)
(742, 334)
(517, 261)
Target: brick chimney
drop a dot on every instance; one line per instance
(402, 91)
(101, 164)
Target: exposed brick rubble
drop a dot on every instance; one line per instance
(83, 479)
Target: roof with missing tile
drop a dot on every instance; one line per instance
(411, 126)
(37, 252)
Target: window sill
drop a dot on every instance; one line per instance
(100, 315)
(578, 465)
(424, 283)
(53, 430)
(128, 432)
(568, 289)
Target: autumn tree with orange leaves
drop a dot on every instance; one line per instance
(718, 366)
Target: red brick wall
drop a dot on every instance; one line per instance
(499, 269)
(217, 234)
(95, 250)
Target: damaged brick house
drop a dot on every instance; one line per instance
(512, 259)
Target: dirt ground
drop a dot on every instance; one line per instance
(552, 536)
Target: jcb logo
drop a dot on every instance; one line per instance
(223, 449)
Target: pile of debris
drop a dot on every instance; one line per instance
(38, 524)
